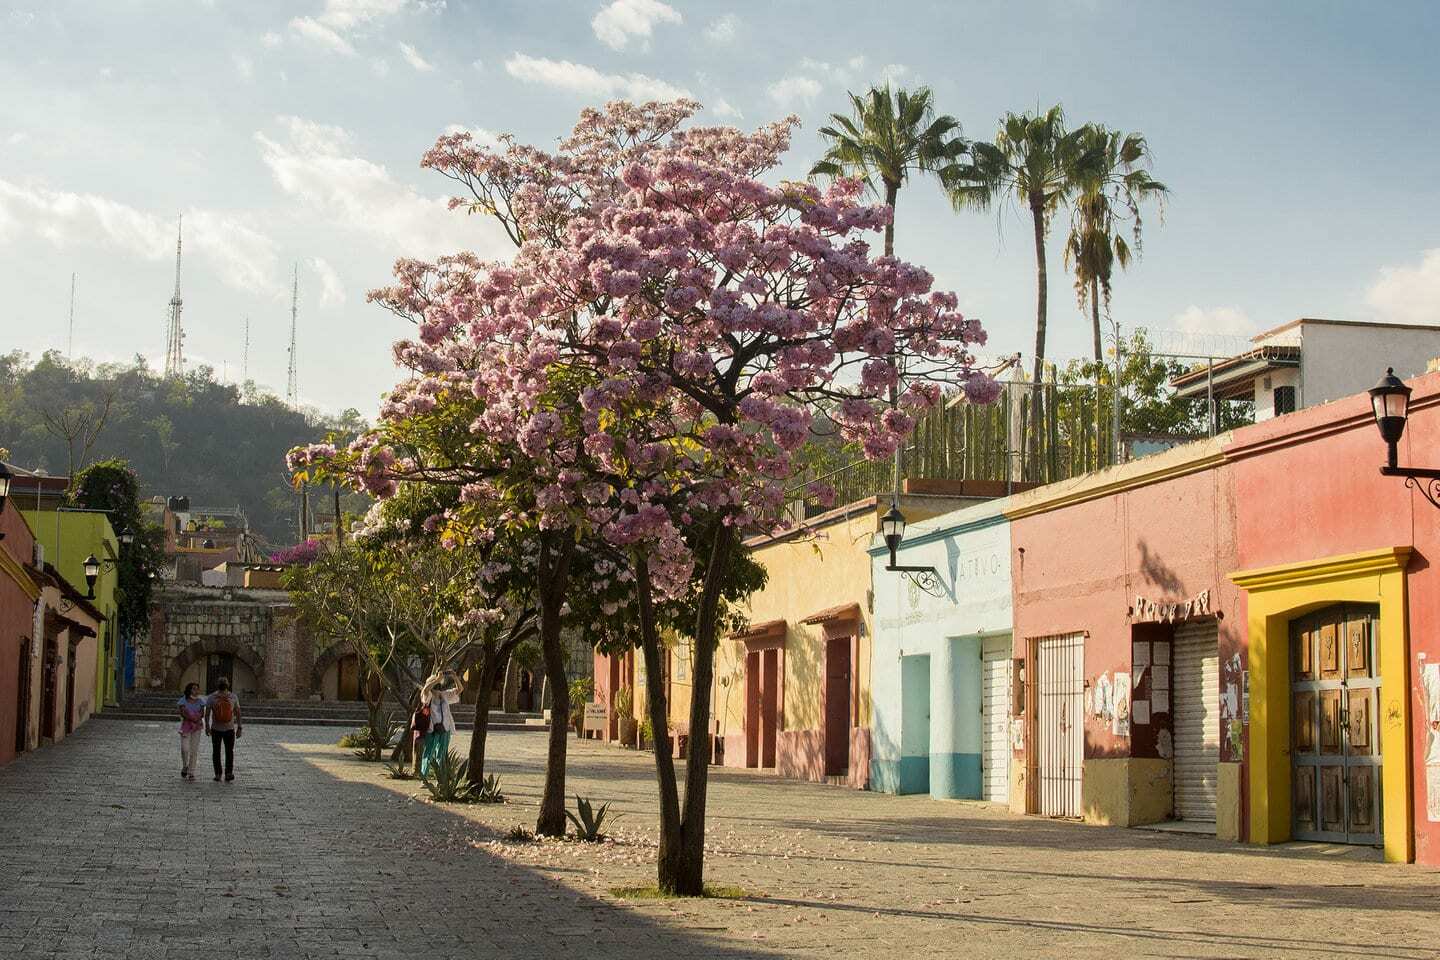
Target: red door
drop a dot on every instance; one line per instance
(837, 706)
(752, 709)
(769, 706)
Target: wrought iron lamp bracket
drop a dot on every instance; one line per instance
(1427, 481)
(925, 578)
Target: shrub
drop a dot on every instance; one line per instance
(625, 702)
(448, 780)
(589, 821)
(373, 741)
(519, 835)
(398, 771)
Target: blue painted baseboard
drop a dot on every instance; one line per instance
(955, 776)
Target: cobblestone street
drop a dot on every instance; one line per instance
(105, 852)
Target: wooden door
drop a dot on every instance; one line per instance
(49, 681)
(22, 702)
(837, 705)
(769, 706)
(219, 665)
(1335, 733)
(752, 708)
(70, 692)
(347, 678)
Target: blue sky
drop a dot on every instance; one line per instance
(1298, 139)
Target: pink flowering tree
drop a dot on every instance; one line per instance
(647, 369)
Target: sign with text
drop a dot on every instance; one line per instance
(594, 716)
(1170, 611)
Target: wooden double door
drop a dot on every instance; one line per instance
(1335, 725)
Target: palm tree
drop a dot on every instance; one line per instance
(887, 136)
(1117, 186)
(1041, 164)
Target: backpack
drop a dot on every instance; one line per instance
(222, 709)
(421, 721)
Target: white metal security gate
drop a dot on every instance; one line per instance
(995, 721)
(1060, 723)
(1196, 705)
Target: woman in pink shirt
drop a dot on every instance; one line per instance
(192, 724)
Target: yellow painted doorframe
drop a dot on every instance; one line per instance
(1278, 595)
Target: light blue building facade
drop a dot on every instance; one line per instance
(941, 682)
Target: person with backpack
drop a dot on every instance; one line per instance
(441, 692)
(222, 722)
(192, 721)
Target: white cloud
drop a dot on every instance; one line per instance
(1213, 321)
(271, 40)
(478, 64)
(615, 24)
(1409, 293)
(308, 28)
(412, 57)
(810, 77)
(722, 108)
(723, 29)
(332, 289)
(319, 166)
(381, 68)
(334, 27)
(578, 78)
(16, 138)
(794, 89)
(244, 66)
(243, 257)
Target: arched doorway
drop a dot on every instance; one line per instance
(206, 661)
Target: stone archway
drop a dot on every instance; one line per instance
(205, 646)
(328, 658)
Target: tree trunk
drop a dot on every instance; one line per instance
(557, 547)
(476, 770)
(671, 855)
(1095, 319)
(1037, 409)
(688, 877)
(892, 190)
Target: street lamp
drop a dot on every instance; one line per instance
(892, 528)
(92, 573)
(1390, 402)
(127, 537)
(4, 491)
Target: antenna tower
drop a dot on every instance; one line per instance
(174, 335)
(291, 390)
(70, 347)
(245, 357)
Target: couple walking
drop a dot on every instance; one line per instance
(434, 720)
(219, 716)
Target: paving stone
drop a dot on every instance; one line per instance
(105, 852)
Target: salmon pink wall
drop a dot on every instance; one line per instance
(16, 622)
(1079, 567)
(1308, 486)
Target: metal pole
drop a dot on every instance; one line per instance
(1119, 450)
(1210, 395)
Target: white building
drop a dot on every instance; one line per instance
(1309, 361)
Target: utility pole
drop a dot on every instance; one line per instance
(70, 347)
(1115, 395)
(174, 335)
(245, 357)
(292, 393)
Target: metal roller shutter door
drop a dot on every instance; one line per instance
(995, 729)
(1196, 702)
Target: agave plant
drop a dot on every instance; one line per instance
(590, 821)
(489, 791)
(398, 771)
(448, 779)
(374, 740)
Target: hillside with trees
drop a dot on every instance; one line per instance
(219, 444)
